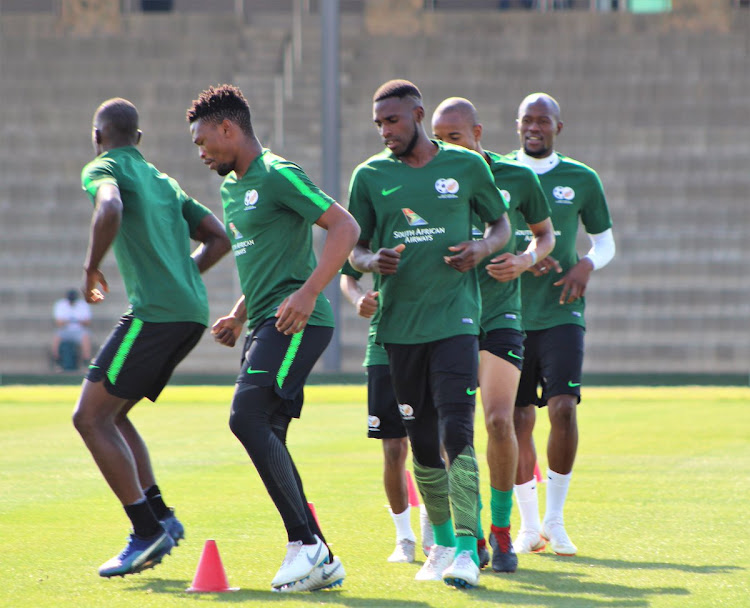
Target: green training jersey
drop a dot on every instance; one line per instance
(269, 213)
(501, 302)
(153, 246)
(574, 191)
(375, 353)
(428, 209)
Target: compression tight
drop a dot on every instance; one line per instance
(256, 421)
(458, 487)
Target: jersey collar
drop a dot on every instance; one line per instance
(540, 166)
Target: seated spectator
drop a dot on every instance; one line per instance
(72, 317)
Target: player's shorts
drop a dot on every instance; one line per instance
(384, 418)
(434, 374)
(138, 357)
(271, 358)
(505, 343)
(553, 359)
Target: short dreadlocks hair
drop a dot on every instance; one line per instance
(224, 101)
(398, 88)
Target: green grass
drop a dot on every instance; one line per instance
(657, 507)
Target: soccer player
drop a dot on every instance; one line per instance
(418, 196)
(552, 308)
(384, 422)
(501, 348)
(146, 218)
(270, 206)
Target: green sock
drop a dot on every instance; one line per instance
(433, 486)
(480, 531)
(444, 534)
(501, 503)
(464, 492)
(467, 543)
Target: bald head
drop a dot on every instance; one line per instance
(455, 121)
(115, 125)
(463, 107)
(549, 103)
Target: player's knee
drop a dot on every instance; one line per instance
(499, 424)
(395, 451)
(250, 412)
(562, 411)
(457, 429)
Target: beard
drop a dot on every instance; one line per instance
(224, 169)
(410, 146)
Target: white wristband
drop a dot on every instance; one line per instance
(533, 257)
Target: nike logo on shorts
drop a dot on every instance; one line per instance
(514, 355)
(250, 370)
(573, 384)
(471, 392)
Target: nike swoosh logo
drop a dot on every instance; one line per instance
(256, 371)
(471, 392)
(94, 367)
(514, 355)
(386, 192)
(573, 384)
(326, 575)
(314, 561)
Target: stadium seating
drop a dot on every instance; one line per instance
(654, 103)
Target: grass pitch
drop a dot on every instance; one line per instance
(657, 506)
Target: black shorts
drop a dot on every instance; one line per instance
(506, 344)
(434, 374)
(139, 357)
(384, 419)
(553, 359)
(270, 358)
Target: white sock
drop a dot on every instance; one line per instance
(557, 491)
(403, 525)
(528, 505)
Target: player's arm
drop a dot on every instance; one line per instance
(470, 253)
(576, 279)
(366, 302)
(105, 224)
(509, 266)
(227, 330)
(343, 231)
(214, 242)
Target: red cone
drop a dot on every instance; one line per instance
(538, 474)
(210, 576)
(315, 513)
(413, 494)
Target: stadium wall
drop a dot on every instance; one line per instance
(656, 104)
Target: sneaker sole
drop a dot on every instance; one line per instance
(458, 583)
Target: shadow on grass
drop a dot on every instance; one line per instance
(623, 564)
(266, 598)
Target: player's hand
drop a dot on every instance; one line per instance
(385, 261)
(574, 282)
(469, 254)
(92, 280)
(545, 266)
(227, 330)
(367, 304)
(295, 311)
(508, 266)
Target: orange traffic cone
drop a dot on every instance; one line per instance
(314, 512)
(210, 576)
(538, 474)
(413, 494)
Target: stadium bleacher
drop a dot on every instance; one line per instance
(656, 103)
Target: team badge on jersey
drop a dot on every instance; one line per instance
(413, 218)
(506, 196)
(447, 187)
(235, 233)
(564, 195)
(251, 199)
(407, 411)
